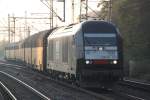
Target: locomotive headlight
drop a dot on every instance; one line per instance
(87, 62)
(115, 62)
(100, 48)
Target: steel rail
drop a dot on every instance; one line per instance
(97, 95)
(6, 90)
(27, 86)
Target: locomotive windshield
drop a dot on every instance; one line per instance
(100, 46)
(99, 33)
(100, 39)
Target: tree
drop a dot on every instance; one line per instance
(132, 18)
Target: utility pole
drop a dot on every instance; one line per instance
(80, 11)
(72, 11)
(110, 10)
(9, 28)
(25, 19)
(20, 35)
(64, 11)
(52, 14)
(86, 9)
(12, 33)
(50, 7)
(28, 31)
(14, 28)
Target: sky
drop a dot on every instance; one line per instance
(19, 7)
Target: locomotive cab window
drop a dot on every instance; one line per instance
(100, 39)
(100, 46)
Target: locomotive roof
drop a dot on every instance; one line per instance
(65, 30)
(90, 25)
(101, 26)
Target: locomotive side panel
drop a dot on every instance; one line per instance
(61, 55)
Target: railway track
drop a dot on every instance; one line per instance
(21, 90)
(124, 90)
(97, 95)
(5, 93)
(133, 90)
(115, 94)
(137, 85)
(63, 84)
